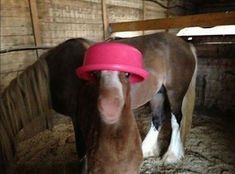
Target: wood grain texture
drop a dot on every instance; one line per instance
(203, 20)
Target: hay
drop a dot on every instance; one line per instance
(209, 149)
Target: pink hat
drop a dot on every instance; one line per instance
(113, 56)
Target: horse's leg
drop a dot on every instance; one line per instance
(150, 144)
(80, 147)
(83, 166)
(175, 150)
(2, 163)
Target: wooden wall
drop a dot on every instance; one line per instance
(60, 20)
(216, 75)
(16, 31)
(154, 11)
(63, 19)
(118, 10)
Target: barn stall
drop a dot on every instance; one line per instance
(27, 24)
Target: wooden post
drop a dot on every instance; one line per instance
(105, 19)
(143, 14)
(167, 13)
(35, 23)
(202, 20)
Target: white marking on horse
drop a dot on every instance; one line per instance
(175, 150)
(150, 143)
(111, 104)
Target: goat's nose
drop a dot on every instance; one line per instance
(110, 108)
(110, 104)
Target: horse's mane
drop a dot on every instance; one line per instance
(24, 101)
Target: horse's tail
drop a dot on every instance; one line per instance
(189, 101)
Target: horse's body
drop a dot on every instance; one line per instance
(171, 64)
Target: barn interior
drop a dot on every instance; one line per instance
(29, 28)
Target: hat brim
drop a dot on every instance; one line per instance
(136, 74)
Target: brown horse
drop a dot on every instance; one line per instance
(172, 66)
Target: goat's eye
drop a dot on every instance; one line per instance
(127, 75)
(95, 74)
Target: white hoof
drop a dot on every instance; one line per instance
(175, 150)
(150, 144)
(150, 151)
(171, 157)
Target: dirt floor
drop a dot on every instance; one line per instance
(210, 149)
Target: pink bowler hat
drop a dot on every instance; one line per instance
(113, 56)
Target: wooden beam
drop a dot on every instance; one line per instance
(202, 20)
(105, 19)
(35, 23)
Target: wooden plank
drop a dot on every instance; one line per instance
(144, 13)
(16, 31)
(35, 22)
(14, 41)
(15, 21)
(203, 20)
(14, 11)
(105, 18)
(118, 13)
(137, 4)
